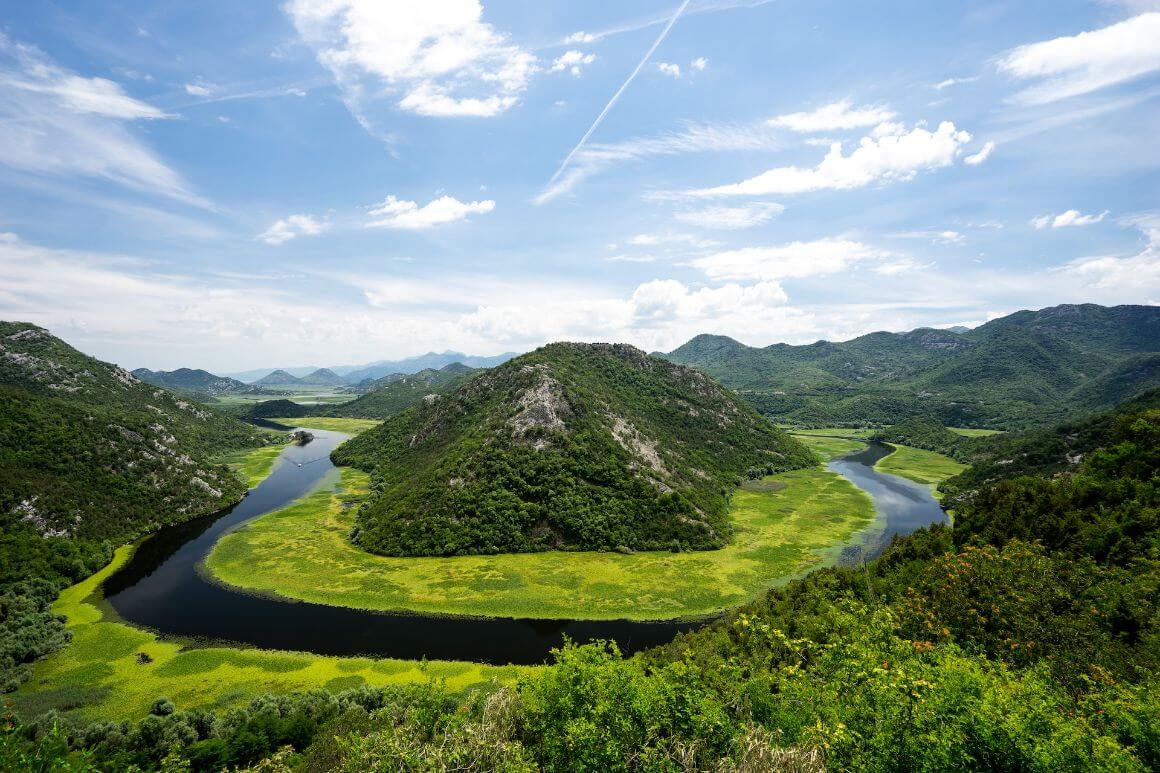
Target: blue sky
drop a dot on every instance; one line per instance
(230, 185)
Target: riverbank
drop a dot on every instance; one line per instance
(783, 527)
(925, 467)
(112, 670)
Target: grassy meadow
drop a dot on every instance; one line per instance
(112, 670)
(348, 426)
(846, 432)
(925, 467)
(255, 464)
(784, 525)
(828, 447)
(967, 432)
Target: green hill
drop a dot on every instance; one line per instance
(90, 455)
(396, 393)
(321, 377)
(1043, 451)
(278, 378)
(1022, 369)
(593, 446)
(188, 380)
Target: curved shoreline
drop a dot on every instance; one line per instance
(166, 586)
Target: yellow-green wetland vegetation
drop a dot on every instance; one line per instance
(925, 467)
(784, 525)
(114, 671)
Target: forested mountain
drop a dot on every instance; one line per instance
(322, 377)
(431, 360)
(572, 445)
(278, 378)
(90, 458)
(1028, 367)
(200, 382)
(394, 394)
(90, 451)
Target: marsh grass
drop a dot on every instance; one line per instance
(348, 426)
(925, 467)
(838, 432)
(255, 464)
(828, 447)
(783, 526)
(100, 675)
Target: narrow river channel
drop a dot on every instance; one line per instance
(161, 587)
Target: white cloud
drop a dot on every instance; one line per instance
(693, 138)
(984, 153)
(439, 56)
(835, 116)
(399, 213)
(946, 84)
(887, 158)
(670, 69)
(937, 237)
(630, 259)
(198, 89)
(291, 227)
(58, 123)
(668, 299)
(654, 239)
(787, 261)
(731, 217)
(572, 61)
(1072, 217)
(580, 37)
(1135, 276)
(902, 266)
(699, 64)
(1078, 64)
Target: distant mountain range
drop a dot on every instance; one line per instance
(192, 381)
(354, 374)
(320, 377)
(1024, 368)
(395, 393)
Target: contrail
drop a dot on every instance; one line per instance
(615, 97)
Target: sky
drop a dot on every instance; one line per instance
(238, 185)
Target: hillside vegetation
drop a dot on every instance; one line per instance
(1011, 643)
(1023, 369)
(197, 382)
(394, 394)
(90, 458)
(591, 446)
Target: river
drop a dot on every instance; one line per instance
(162, 588)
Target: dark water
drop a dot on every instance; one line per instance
(902, 506)
(161, 588)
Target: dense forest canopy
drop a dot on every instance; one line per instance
(1025, 369)
(91, 458)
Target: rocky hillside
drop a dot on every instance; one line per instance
(90, 452)
(1019, 370)
(589, 446)
(200, 382)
